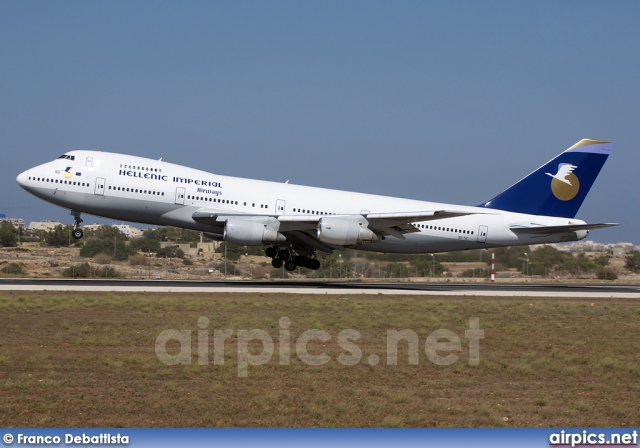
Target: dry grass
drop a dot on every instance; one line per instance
(88, 359)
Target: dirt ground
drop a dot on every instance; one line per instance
(89, 359)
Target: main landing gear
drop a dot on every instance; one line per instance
(77, 232)
(286, 257)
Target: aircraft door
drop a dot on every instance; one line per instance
(280, 203)
(100, 183)
(180, 192)
(482, 234)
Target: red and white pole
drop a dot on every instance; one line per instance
(493, 265)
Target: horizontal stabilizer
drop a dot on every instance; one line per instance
(560, 229)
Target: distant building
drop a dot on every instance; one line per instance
(135, 232)
(17, 222)
(131, 232)
(124, 228)
(43, 225)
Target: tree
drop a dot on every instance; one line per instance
(96, 246)
(109, 233)
(145, 244)
(58, 236)
(173, 234)
(170, 252)
(8, 234)
(233, 251)
(231, 269)
(633, 261)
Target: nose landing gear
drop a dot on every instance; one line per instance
(77, 232)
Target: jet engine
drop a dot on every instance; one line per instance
(250, 233)
(345, 231)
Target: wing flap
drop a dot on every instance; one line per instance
(300, 218)
(216, 217)
(397, 224)
(559, 229)
(404, 217)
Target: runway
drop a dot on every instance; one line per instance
(317, 287)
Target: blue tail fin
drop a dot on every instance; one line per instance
(558, 187)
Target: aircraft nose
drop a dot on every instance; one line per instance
(22, 179)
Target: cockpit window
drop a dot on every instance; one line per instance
(68, 157)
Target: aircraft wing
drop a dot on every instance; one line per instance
(397, 224)
(548, 230)
(392, 224)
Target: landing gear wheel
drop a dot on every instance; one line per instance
(290, 266)
(312, 264)
(77, 223)
(277, 263)
(271, 252)
(284, 254)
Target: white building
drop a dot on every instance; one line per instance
(43, 225)
(124, 228)
(131, 232)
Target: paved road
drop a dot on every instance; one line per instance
(317, 287)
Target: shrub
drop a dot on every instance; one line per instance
(170, 252)
(231, 268)
(138, 260)
(480, 273)
(278, 273)
(81, 270)
(13, 269)
(102, 259)
(108, 272)
(84, 270)
(607, 274)
(96, 246)
(145, 245)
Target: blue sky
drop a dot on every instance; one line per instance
(444, 101)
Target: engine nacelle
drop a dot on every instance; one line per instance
(345, 231)
(250, 233)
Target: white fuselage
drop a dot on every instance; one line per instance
(137, 189)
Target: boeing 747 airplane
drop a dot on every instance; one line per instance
(295, 221)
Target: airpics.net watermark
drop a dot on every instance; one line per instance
(440, 347)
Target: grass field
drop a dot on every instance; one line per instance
(88, 359)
